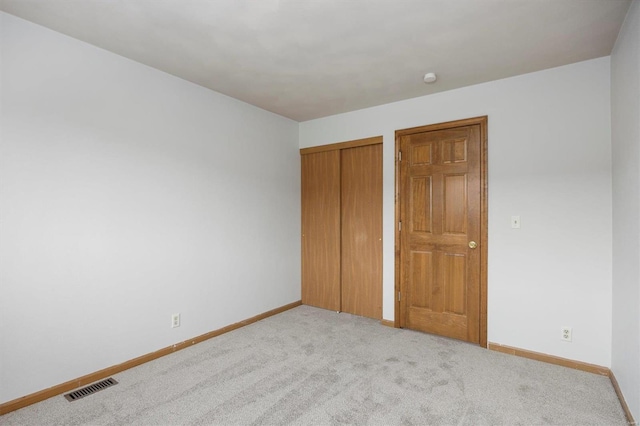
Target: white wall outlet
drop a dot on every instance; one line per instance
(565, 334)
(515, 222)
(175, 320)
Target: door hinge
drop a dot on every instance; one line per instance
(398, 296)
(399, 155)
(400, 226)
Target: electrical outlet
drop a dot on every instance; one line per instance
(175, 320)
(565, 334)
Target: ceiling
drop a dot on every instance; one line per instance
(307, 59)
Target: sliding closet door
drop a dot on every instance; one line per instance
(321, 229)
(361, 202)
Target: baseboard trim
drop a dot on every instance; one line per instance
(388, 323)
(577, 365)
(551, 359)
(101, 374)
(623, 402)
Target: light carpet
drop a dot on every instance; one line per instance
(309, 366)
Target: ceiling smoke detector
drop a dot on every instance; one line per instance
(430, 77)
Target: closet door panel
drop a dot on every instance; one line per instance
(361, 202)
(321, 229)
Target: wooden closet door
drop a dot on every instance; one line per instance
(321, 229)
(361, 172)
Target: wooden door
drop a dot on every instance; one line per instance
(361, 171)
(321, 229)
(441, 238)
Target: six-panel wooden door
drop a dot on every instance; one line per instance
(440, 214)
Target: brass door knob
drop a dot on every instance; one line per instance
(473, 244)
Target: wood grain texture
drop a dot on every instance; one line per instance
(551, 359)
(484, 228)
(342, 145)
(104, 373)
(361, 202)
(623, 402)
(569, 363)
(441, 219)
(397, 264)
(449, 225)
(388, 323)
(321, 262)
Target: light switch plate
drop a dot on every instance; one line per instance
(515, 222)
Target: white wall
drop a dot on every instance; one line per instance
(625, 113)
(127, 195)
(550, 163)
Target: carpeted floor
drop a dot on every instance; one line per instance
(309, 366)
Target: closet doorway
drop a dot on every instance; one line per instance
(342, 227)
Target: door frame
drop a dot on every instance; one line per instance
(482, 121)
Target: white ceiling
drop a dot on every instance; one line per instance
(306, 59)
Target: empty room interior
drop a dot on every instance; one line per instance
(320, 212)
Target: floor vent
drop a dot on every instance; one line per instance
(91, 389)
